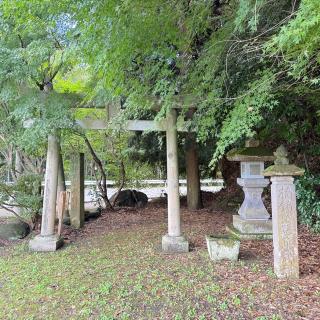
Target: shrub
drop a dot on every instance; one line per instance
(23, 197)
(308, 196)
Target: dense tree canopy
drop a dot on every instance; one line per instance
(249, 67)
(236, 61)
(243, 64)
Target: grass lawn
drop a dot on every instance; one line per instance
(114, 269)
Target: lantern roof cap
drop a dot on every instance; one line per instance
(252, 152)
(281, 165)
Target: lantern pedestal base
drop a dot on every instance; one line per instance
(251, 229)
(247, 236)
(252, 225)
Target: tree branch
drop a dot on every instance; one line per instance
(16, 215)
(103, 180)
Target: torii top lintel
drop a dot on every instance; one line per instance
(138, 125)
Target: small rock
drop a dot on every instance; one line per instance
(92, 215)
(14, 230)
(131, 198)
(66, 221)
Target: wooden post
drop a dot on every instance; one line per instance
(77, 191)
(61, 180)
(193, 177)
(63, 201)
(61, 176)
(173, 241)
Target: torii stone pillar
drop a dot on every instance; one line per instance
(48, 240)
(174, 240)
(284, 215)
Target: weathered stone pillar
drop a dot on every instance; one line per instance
(77, 191)
(48, 240)
(284, 215)
(173, 241)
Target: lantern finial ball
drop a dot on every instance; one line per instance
(281, 155)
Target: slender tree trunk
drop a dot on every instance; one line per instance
(102, 184)
(18, 168)
(61, 179)
(122, 177)
(18, 165)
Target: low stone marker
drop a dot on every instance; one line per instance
(284, 215)
(223, 247)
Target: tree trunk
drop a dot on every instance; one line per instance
(18, 165)
(230, 172)
(193, 177)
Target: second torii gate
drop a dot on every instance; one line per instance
(173, 241)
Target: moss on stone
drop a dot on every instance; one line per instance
(250, 154)
(247, 236)
(283, 170)
(225, 239)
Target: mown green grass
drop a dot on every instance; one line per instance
(120, 275)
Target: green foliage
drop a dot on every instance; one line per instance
(248, 14)
(308, 195)
(245, 65)
(33, 52)
(298, 42)
(247, 112)
(23, 195)
(117, 153)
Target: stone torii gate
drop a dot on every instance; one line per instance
(173, 241)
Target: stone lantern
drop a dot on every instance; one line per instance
(253, 221)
